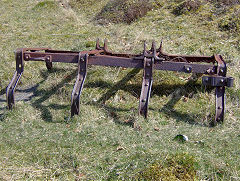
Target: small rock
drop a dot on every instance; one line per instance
(157, 129)
(181, 138)
(120, 148)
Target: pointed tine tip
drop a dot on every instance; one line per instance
(145, 45)
(160, 48)
(97, 43)
(105, 44)
(153, 44)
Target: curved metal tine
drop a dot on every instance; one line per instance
(98, 44)
(152, 48)
(105, 47)
(154, 51)
(160, 47)
(10, 91)
(78, 86)
(145, 49)
(16, 77)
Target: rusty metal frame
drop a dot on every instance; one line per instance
(213, 67)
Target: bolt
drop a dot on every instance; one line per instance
(221, 70)
(27, 57)
(48, 58)
(222, 80)
(206, 79)
(188, 69)
(219, 107)
(144, 100)
(146, 84)
(148, 65)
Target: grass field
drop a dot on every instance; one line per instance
(108, 140)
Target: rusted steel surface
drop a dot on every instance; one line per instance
(213, 67)
(17, 76)
(77, 89)
(146, 86)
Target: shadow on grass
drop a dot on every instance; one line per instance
(160, 90)
(190, 88)
(46, 94)
(169, 110)
(2, 103)
(121, 84)
(3, 91)
(28, 93)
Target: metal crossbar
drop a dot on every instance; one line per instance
(213, 67)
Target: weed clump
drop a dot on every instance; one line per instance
(225, 2)
(175, 167)
(83, 3)
(231, 20)
(187, 6)
(124, 11)
(45, 4)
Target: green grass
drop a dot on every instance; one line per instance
(108, 140)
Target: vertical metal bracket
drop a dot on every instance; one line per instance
(146, 86)
(220, 92)
(16, 77)
(77, 89)
(49, 65)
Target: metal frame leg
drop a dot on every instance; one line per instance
(220, 104)
(146, 86)
(49, 65)
(77, 89)
(220, 92)
(17, 76)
